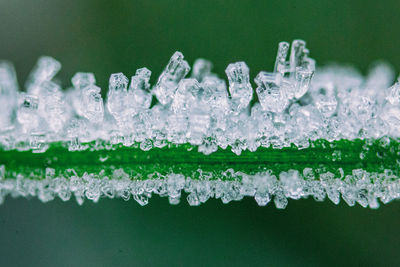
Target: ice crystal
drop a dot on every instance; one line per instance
(295, 104)
(360, 187)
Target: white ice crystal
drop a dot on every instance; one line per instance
(169, 79)
(296, 104)
(359, 187)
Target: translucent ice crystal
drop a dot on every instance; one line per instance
(173, 73)
(293, 107)
(201, 69)
(303, 78)
(271, 92)
(46, 68)
(393, 95)
(8, 94)
(239, 85)
(281, 65)
(117, 93)
(359, 187)
(139, 96)
(27, 113)
(200, 110)
(86, 98)
(325, 100)
(92, 104)
(83, 79)
(186, 96)
(52, 106)
(214, 94)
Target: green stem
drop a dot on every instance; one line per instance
(338, 157)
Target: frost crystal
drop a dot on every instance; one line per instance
(271, 91)
(46, 68)
(201, 69)
(174, 72)
(117, 95)
(8, 93)
(186, 96)
(27, 114)
(139, 96)
(294, 104)
(239, 85)
(360, 187)
(394, 94)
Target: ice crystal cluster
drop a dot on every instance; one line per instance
(295, 105)
(360, 187)
(291, 105)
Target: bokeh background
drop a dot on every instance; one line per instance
(112, 36)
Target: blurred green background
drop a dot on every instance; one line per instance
(113, 36)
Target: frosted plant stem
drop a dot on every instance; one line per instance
(326, 132)
(327, 166)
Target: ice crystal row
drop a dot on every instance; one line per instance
(325, 170)
(263, 187)
(202, 109)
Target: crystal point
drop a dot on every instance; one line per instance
(271, 93)
(176, 69)
(139, 97)
(239, 85)
(45, 69)
(186, 95)
(27, 113)
(280, 63)
(118, 82)
(8, 93)
(82, 79)
(201, 69)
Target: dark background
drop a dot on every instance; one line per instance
(113, 36)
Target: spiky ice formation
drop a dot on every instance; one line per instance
(296, 106)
